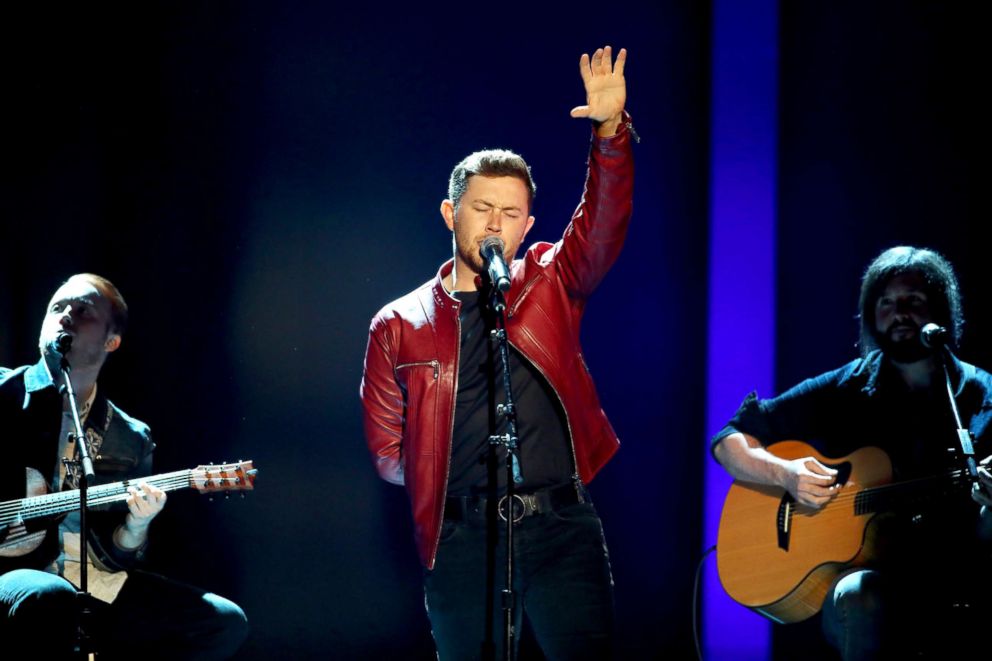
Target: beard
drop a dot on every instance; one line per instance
(468, 250)
(906, 350)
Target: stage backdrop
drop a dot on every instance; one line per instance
(260, 177)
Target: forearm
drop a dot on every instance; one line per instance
(131, 535)
(386, 452)
(595, 236)
(746, 459)
(382, 406)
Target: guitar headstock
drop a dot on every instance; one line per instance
(238, 476)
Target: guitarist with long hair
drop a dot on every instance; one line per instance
(847, 498)
(133, 613)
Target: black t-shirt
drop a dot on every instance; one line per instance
(544, 448)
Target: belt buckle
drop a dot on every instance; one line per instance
(518, 514)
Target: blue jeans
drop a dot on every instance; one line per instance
(871, 614)
(562, 582)
(161, 618)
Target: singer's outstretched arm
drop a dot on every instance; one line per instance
(593, 240)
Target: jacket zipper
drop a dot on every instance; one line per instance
(633, 133)
(447, 470)
(571, 438)
(433, 363)
(568, 422)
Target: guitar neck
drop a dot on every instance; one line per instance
(911, 493)
(16, 511)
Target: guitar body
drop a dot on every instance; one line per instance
(779, 558)
(17, 540)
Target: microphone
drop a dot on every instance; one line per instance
(62, 343)
(492, 254)
(933, 336)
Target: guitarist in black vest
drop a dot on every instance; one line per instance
(920, 583)
(133, 612)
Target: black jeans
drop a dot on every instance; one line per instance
(561, 577)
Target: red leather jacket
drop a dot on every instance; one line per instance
(411, 365)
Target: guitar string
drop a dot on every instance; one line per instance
(101, 492)
(57, 502)
(871, 494)
(99, 489)
(67, 506)
(184, 476)
(54, 503)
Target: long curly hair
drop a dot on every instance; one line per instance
(940, 287)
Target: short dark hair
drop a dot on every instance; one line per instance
(939, 284)
(490, 163)
(118, 308)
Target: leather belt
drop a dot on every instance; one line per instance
(463, 508)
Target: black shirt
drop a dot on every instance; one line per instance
(544, 448)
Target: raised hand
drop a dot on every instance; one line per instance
(606, 89)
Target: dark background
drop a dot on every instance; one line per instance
(258, 178)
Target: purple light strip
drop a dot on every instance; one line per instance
(742, 274)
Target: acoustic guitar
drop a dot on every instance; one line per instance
(778, 557)
(17, 540)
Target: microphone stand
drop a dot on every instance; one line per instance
(84, 475)
(508, 440)
(964, 436)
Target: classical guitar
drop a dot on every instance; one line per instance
(16, 540)
(779, 558)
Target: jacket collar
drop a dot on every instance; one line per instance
(37, 377)
(442, 297)
(867, 371)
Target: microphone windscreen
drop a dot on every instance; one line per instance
(492, 244)
(63, 343)
(933, 335)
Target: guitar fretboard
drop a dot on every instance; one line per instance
(902, 495)
(15, 511)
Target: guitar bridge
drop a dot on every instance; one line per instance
(784, 520)
(787, 506)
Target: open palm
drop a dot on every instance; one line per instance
(606, 89)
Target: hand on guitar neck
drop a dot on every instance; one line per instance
(143, 504)
(981, 493)
(17, 540)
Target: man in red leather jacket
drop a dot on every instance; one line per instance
(431, 381)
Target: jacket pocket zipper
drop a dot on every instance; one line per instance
(433, 363)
